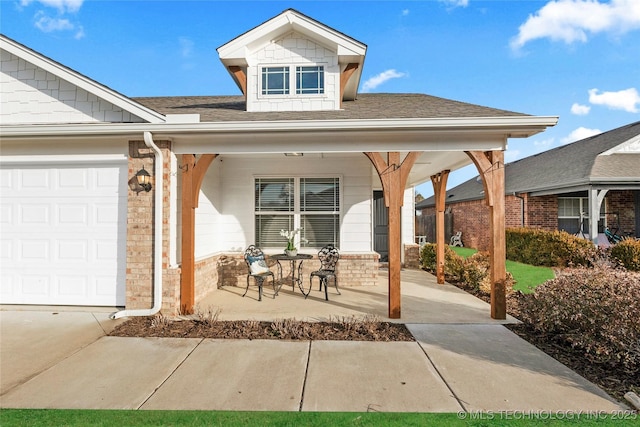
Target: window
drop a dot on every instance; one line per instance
(288, 203)
(569, 209)
(309, 80)
(275, 81)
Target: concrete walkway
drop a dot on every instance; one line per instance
(53, 358)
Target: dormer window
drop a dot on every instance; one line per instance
(309, 80)
(275, 81)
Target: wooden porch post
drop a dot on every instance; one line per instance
(439, 182)
(393, 175)
(490, 165)
(193, 174)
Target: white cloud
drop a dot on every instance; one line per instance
(70, 6)
(456, 3)
(580, 133)
(405, 12)
(49, 24)
(61, 22)
(627, 100)
(381, 78)
(573, 20)
(580, 110)
(545, 142)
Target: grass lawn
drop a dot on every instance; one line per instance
(526, 276)
(62, 417)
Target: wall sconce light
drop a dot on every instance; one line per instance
(141, 181)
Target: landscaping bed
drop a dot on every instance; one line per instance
(206, 325)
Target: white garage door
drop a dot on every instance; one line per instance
(63, 234)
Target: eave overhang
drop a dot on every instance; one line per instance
(452, 134)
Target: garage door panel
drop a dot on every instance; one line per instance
(73, 214)
(35, 285)
(63, 234)
(73, 250)
(34, 250)
(72, 286)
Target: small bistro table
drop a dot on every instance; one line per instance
(293, 279)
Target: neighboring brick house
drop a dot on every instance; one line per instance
(299, 148)
(550, 190)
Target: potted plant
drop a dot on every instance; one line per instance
(290, 235)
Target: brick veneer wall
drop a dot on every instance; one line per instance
(140, 230)
(231, 270)
(412, 256)
(472, 217)
(542, 212)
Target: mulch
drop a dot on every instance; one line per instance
(350, 329)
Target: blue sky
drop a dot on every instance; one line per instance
(576, 59)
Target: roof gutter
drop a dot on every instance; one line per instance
(157, 239)
(514, 126)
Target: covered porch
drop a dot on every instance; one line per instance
(423, 301)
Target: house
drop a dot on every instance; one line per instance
(592, 181)
(298, 148)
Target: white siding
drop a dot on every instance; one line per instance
(225, 218)
(408, 217)
(32, 95)
(208, 240)
(294, 49)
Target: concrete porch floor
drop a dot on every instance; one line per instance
(423, 301)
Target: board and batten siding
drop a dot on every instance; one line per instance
(32, 95)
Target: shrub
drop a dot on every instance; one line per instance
(452, 261)
(473, 272)
(476, 270)
(627, 254)
(594, 310)
(549, 248)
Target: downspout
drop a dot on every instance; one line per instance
(157, 239)
(521, 208)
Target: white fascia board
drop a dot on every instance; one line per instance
(81, 81)
(509, 126)
(285, 23)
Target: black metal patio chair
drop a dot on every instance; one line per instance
(258, 269)
(328, 257)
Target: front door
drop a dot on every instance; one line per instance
(380, 226)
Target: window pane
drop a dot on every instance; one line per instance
(319, 194)
(320, 230)
(572, 225)
(274, 194)
(310, 80)
(275, 80)
(268, 230)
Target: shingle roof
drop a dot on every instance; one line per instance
(367, 106)
(570, 165)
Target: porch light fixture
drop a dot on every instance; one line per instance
(294, 154)
(141, 181)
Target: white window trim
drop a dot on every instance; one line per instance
(297, 214)
(292, 82)
(584, 201)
